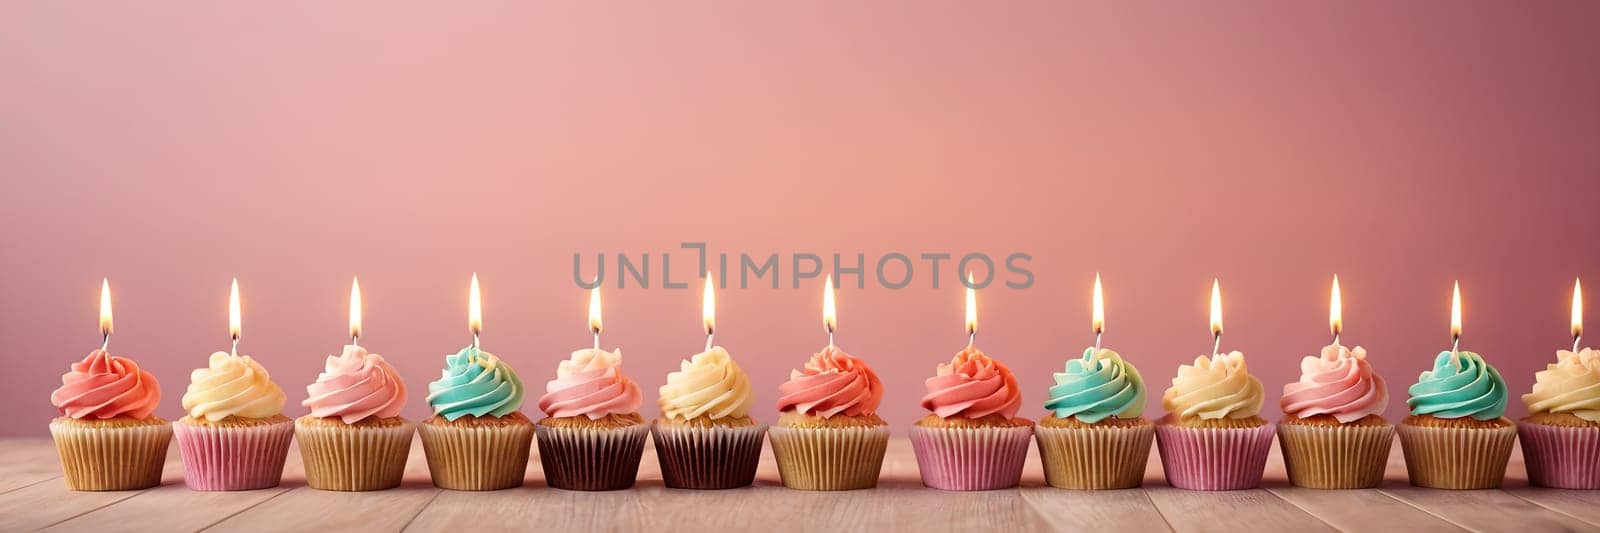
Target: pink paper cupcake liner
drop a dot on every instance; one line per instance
(591, 458)
(232, 457)
(981, 458)
(1561, 457)
(1214, 458)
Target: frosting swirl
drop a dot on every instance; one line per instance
(106, 386)
(1571, 385)
(1340, 383)
(709, 384)
(232, 385)
(1214, 388)
(355, 385)
(1468, 387)
(832, 383)
(590, 384)
(477, 383)
(972, 385)
(1099, 385)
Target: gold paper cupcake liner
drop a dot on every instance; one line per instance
(834, 458)
(1095, 457)
(1456, 458)
(477, 457)
(127, 457)
(1335, 457)
(353, 458)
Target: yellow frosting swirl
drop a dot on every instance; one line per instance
(708, 385)
(1213, 389)
(232, 385)
(1572, 385)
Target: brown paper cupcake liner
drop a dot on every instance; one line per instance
(1335, 457)
(483, 457)
(591, 458)
(111, 458)
(1095, 457)
(715, 457)
(829, 458)
(1456, 458)
(353, 458)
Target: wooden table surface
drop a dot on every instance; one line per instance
(33, 496)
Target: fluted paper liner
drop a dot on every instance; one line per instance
(1456, 458)
(233, 457)
(1198, 458)
(591, 458)
(1335, 457)
(1561, 457)
(716, 457)
(354, 458)
(1095, 457)
(971, 458)
(111, 458)
(482, 457)
(835, 458)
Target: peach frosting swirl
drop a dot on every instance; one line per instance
(355, 385)
(832, 383)
(972, 385)
(106, 386)
(1214, 388)
(590, 384)
(1339, 383)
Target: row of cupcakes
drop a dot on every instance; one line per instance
(828, 435)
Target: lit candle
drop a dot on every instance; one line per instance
(594, 314)
(830, 320)
(972, 312)
(355, 312)
(1098, 321)
(1577, 313)
(105, 313)
(475, 311)
(1216, 317)
(1455, 325)
(708, 310)
(1336, 311)
(234, 329)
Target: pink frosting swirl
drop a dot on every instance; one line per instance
(590, 384)
(1339, 383)
(832, 383)
(355, 385)
(106, 386)
(972, 385)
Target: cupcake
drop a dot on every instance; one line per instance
(354, 438)
(476, 439)
(705, 438)
(107, 436)
(1094, 437)
(972, 440)
(592, 436)
(235, 436)
(1456, 437)
(1561, 435)
(1212, 437)
(1333, 433)
(828, 435)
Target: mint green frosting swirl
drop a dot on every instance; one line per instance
(477, 383)
(1099, 385)
(1469, 387)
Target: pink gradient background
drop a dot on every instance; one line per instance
(171, 146)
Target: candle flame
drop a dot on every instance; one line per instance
(1455, 312)
(830, 318)
(1098, 322)
(594, 310)
(105, 307)
(708, 306)
(1577, 308)
(1336, 309)
(1216, 307)
(234, 329)
(355, 308)
(972, 307)
(475, 308)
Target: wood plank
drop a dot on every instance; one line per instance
(302, 508)
(1581, 504)
(50, 502)
(26, 461)
(200, 509)
(1488, 511)
(1354, 510)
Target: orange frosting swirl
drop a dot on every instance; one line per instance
(106, 386)
(832, 383)
(972, 385)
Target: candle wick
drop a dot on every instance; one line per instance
(105, 341)
(971, 337)
(235, 350)
(1216, 345)
(1097, 335)
(355, 340)
(709, 337)
(1335, 339)
(597, 339)
(830, 337)
(475, 340)
(1575, 338)
(1455, 347)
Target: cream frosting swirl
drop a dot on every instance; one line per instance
(590, 384)
(106, 386)
(1340, 383)
(972, 385)
(832, 383)
(1214, 388)
(232, 385)
(709, 384)
(1571, 385)
(355, 385)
